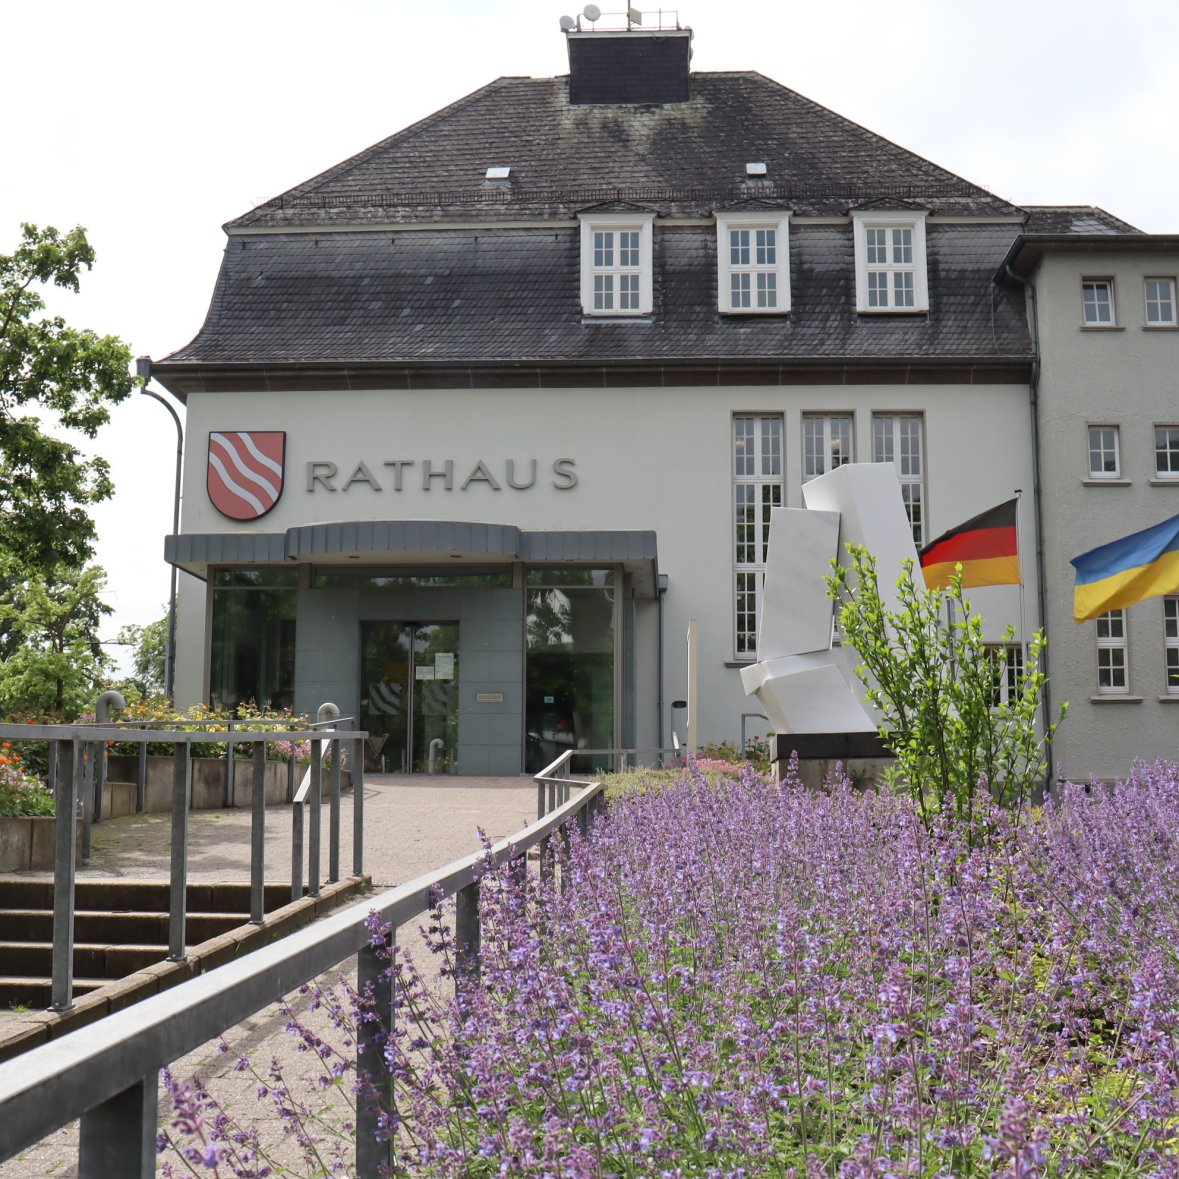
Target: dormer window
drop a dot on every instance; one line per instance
(753, 263)
(616, 264)
(890, 262)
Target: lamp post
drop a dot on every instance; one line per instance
(143, 369)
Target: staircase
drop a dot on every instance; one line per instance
(120, 927)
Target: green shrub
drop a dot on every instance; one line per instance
(935, 685)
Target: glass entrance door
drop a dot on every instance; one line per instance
(409, 696)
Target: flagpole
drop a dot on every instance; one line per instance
(1023, 654)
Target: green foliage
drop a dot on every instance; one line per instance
(936, 686)
(20, 793)
(51, 660)
(756, 753)
(75, 375)
(151, 648)
(157, 712)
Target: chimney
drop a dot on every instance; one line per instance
(635, 66)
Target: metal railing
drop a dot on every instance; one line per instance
(107, 1073)
(76, 757)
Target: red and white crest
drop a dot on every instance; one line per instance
(246, 471)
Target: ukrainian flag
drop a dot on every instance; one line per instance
(1126, 571)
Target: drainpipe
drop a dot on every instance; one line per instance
(1029, 289)
(660, 590)
(143, 369)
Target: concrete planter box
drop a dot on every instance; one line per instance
(208, 784)
(29, 842)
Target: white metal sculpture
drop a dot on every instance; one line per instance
(803, 683)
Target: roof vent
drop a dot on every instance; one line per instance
(755, 169)
(498, 172)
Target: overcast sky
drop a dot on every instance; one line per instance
(152, 123)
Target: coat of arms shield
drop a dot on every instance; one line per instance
(245, 473)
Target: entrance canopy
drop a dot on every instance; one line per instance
(415, 542)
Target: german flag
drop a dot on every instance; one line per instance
(986, 547)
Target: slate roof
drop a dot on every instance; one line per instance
(405, 254)
(1074, 219)
(512, 295)
(684, 157)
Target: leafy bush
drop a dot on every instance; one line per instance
(157, 712)
(935, 685)
(20, 793)
(756, 753)
(751, 979)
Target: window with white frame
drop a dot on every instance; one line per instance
(616, 264)
(1166, 452)
(1171, 643)
(1104, 456)
(896, 439)
(1160, 302)
(1006, 671)
(757, 488)
(826, 443)
(753, 263)
(1112, 663)
(890, 262)
(1097, 302)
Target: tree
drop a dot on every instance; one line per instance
(58, 665)
(50, 604)
(936, 686)
(151, 647)
(74, 375)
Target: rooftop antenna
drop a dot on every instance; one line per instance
(568, 24)
(591, 12)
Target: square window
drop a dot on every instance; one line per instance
(1006, 672)
(1104, 461)
(1160, 302)
(616, 264)
(826, 443)
(1097, 302)
(1171, 642)
(1166, 452)
(1112, 653)
(753, 263)
(890, 262)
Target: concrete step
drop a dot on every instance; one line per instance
(37, 993)
(93, 960)
(140, 896)
(21, 925)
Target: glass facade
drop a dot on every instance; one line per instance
(362, 577)
(253, 641)
(569, 667)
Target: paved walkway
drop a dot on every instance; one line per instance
(412, 825)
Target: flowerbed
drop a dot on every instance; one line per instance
(751, 979)
(21, 795)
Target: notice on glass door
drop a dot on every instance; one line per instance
(423, 673)
(444, 665)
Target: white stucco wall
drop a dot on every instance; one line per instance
(645, 458)
(1129, 377)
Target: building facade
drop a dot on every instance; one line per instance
(481, 418)
(1105, 317)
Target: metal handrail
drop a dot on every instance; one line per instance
(106, 1073)
(76, 755)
